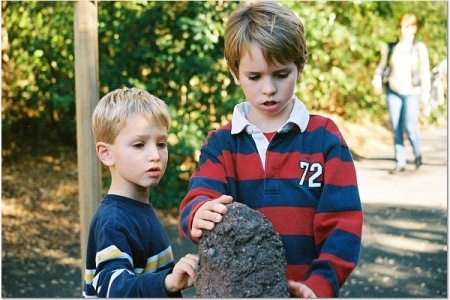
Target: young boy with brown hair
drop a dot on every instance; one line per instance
(276, 158)
(128, 252)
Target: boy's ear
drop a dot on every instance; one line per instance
(299, 75)
(236, 78)
(104, 153)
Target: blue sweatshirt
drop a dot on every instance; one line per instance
(128, 251)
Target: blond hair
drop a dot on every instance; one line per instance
(277, 30)
(113, 110)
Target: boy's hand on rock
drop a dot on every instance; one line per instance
(208, 214)
(183, 274)
(300, 290)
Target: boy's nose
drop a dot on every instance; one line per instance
(153, 153)
(269, 87)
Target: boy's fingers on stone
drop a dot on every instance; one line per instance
(219, 208)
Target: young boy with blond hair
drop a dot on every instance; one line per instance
(128, 252)
(276, 158)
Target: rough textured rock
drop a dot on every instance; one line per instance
(242, 257)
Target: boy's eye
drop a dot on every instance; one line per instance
(282, 75)
(162, 145)
(254, 77)
(277, 75)
(138, 145)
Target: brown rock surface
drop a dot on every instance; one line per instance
(242, 257)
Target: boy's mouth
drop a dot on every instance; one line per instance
(269, 103)
(154, 172)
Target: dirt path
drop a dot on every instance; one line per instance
(404, 251)
(425, 187)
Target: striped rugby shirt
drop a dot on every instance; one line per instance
(303, 181)
(128, 252)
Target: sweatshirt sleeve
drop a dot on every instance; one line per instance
(208, 181)
(338, 220)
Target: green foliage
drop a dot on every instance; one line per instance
(38, 91)
(174, 49)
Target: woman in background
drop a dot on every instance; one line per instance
(404, 72)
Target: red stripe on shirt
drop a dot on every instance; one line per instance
(321, 286)
(297, 272)
(349, 221)
(290, 220)
(340, 173)
(287, 165)
(243, 172)
(211, 170)
(343, 268)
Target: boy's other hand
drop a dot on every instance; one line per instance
(183, 274)
(300, 290)
(208, 214)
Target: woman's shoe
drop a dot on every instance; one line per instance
(418, 162)
(397, 169)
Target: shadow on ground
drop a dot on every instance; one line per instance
(404, 254)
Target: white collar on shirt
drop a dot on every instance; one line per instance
(299, 116)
